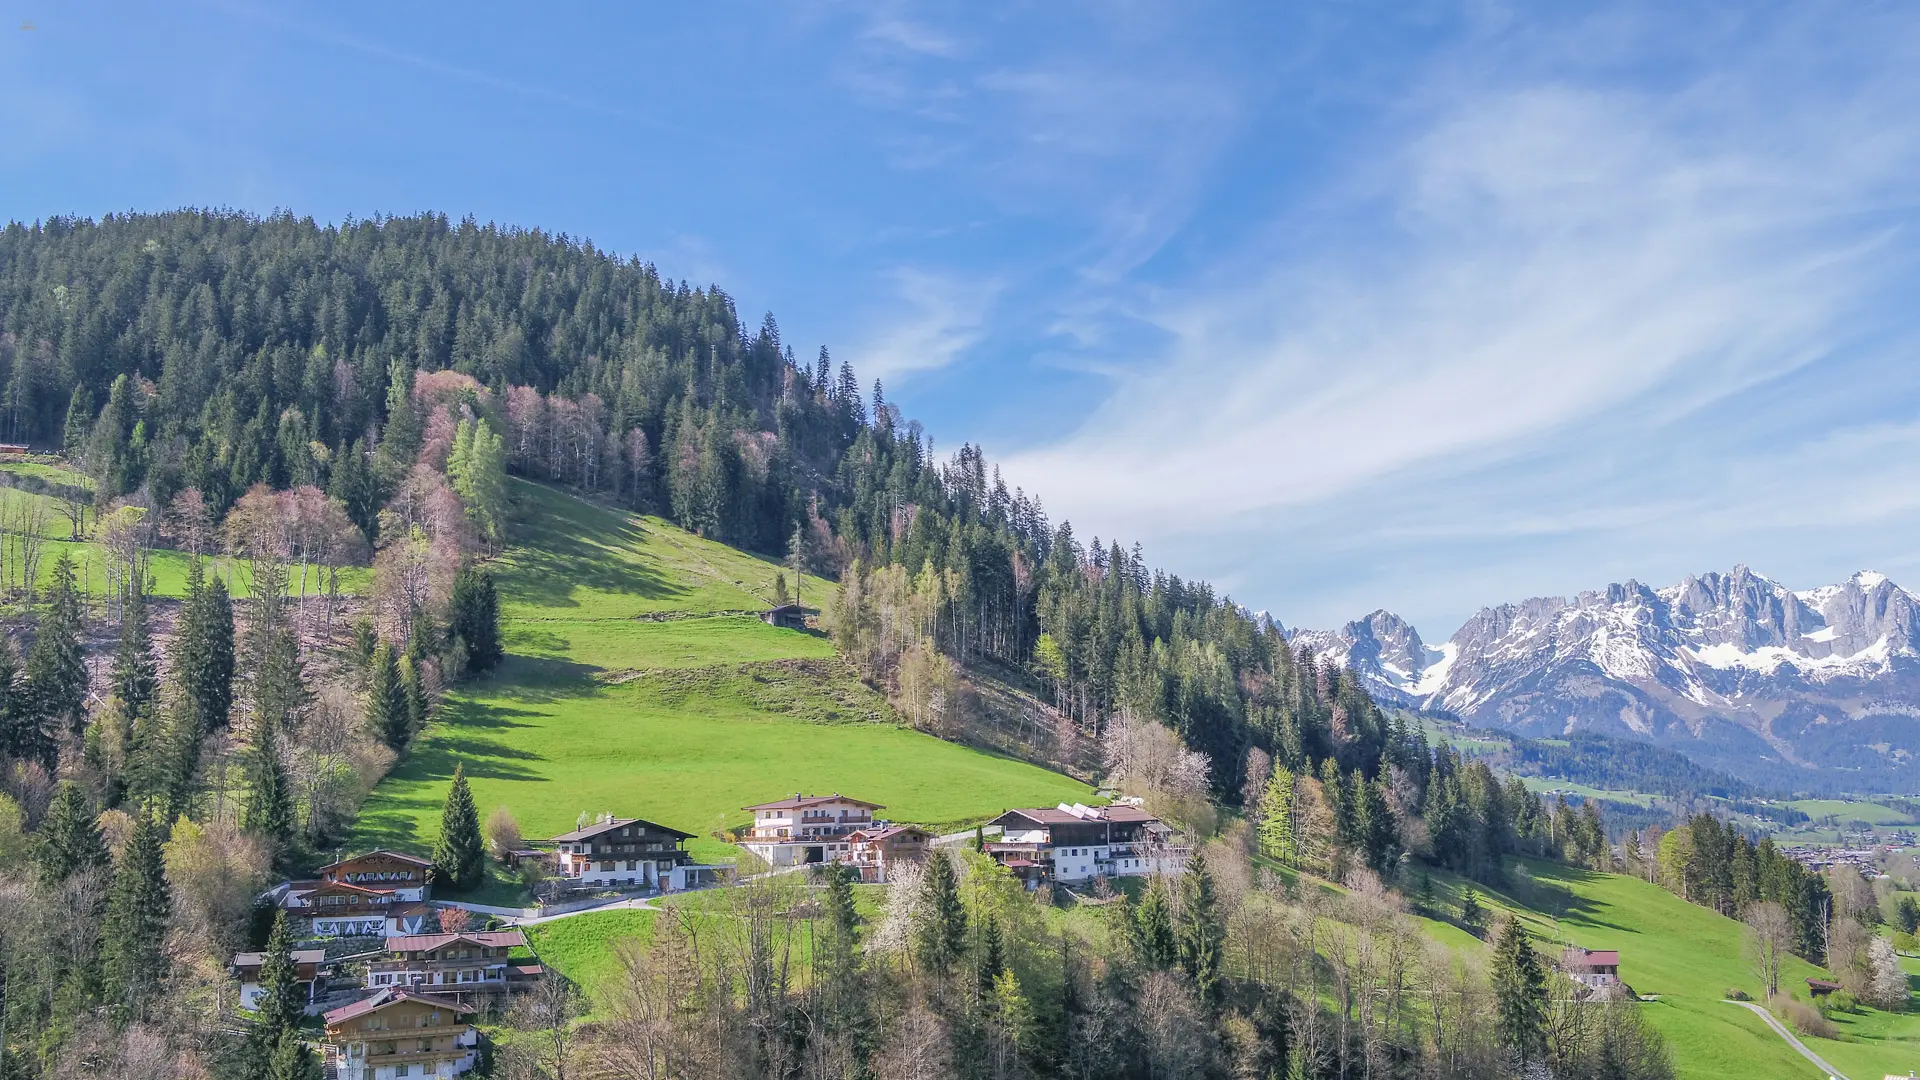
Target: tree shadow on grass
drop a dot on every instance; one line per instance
(561, 542)
(532, 679)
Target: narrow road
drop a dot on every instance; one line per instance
(1792, 1039)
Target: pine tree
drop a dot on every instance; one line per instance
(413, 694)
(993, 955)
(21, 733)
(1277, 840)
(1202, 932)
(292, 1060)
(70, 839)
(136, 674)
(203, 659)
(79, 421)
(281, 1004)
(132, 957)
(152, 759)
(56, 667)
(1472, 915)
(1520, 992)
(1154, 941)
(1378, 832)
(387, 700)
(459, 856)
(269, 809)
(941, 934)
(476, 620)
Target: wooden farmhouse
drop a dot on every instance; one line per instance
(874, 850)
(628, 853)
(401, 1033)
(460, 966)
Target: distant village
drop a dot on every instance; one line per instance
(381, 957)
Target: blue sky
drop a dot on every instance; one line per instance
(1340, 305)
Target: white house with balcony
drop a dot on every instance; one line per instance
(1074, 843)
(806, 829)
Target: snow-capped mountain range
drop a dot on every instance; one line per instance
(1810, 688)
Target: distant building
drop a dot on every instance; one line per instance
(13, 449)
(306, 971)
(806, 828)
(1595, 968)
(1821, 987)
(628, 853)
(874, 851)
(406, 876)
(1078, 843)
(786, 616)
(401, 1033)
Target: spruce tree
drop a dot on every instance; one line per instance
(940, 936)
(203, 658)
(1472, 915)
(413, 695)
(292, 1060)
(1202, 933)
(281, 1005)
(993, 956)
(387, 714)
(136, 674)
(476, 621)
(73, 439)
(269, 809)
(56, 667)
(21, 733)
(132, 957)
(1520, 992)
(459, 856)
(70, 839)
(1154, 941)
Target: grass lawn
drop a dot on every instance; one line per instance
(1548, 783)
(625, 692)
(581, 947)
(1690, 957)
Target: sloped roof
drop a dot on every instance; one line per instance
(799, 802)
(887, 833)
(592, 831)
(492, 939)
(1049, 815)
(394, 997)
(259, 959)
(1593, 957)
(396, 855)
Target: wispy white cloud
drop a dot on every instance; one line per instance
(1526, 258)
(938, 318)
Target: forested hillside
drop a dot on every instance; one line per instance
(214, 351)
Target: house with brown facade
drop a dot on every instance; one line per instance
(307, 965)
(460, 966)
(340, 909)
(1075, 843)
(398, 1033)
(873, 851)
(628, 853)
(408, 877)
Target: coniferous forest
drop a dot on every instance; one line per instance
(312, 398)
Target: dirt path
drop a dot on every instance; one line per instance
(1792, 1040)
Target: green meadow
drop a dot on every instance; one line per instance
(634, 686)
(1688, 957)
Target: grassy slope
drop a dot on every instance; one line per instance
(1689, 957)
(623, 692)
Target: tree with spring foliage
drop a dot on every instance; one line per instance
(1277, 839)
(459, 856)
(56, 667)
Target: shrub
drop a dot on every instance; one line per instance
(1803, 1018)
(1842, 1001)
(1734, 993)
(1905, 942)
